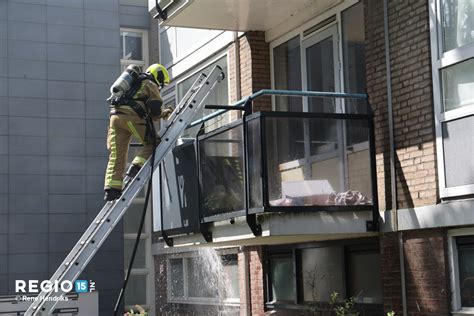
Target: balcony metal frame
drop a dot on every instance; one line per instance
(246, 106)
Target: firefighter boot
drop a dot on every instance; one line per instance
(112, 194)
(132, 171)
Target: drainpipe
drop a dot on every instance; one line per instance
(393, 183)
(238, 92)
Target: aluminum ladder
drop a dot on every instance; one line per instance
(93, 238)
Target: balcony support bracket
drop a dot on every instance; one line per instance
(206, 233)
(253, 225)
(168, 240)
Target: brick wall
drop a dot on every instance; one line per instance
(256, 280)
(254, 72)
(377, 90)
(425, 250)
(254, 256)
(390, 273)
(426, 272)
(411, 98)
(255, 68)
(412, 103)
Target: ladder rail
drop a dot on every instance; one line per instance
(87, 236)
(96, 234)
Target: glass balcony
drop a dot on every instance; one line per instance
(274, 162)
(308, 161)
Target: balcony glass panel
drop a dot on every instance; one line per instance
(310, 161)
(255, 164)
(222, 171)
(179, 189)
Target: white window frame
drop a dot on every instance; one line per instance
(190, 299)
(337, 11)
(457, 309)
(335, 27)
(191, 72)
(145, 60)
(440, 60)
(219, 121)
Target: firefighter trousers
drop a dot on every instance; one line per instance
(121, 128)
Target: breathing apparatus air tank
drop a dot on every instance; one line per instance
(123, 83)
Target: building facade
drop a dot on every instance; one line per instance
(414, 61)
(57, 61)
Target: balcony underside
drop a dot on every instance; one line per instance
(284, 228)
(240, 15)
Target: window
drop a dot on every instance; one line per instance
(353, 49)
(457, 23)
(461, 253)
(204, 277)
(133, 47)
(452, 51)
(308, 275)
(176, 43)
(322, 273)
(282, 278)
(218, 96)
(465, 246)
(287, 74)
(310, 58)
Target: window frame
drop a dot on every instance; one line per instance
(191, 72)
(186, 299)
(456, 307)
(300, 31)
(441, 60)
(269, 300)
(145, 60)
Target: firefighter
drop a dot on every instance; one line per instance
(132, 114)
